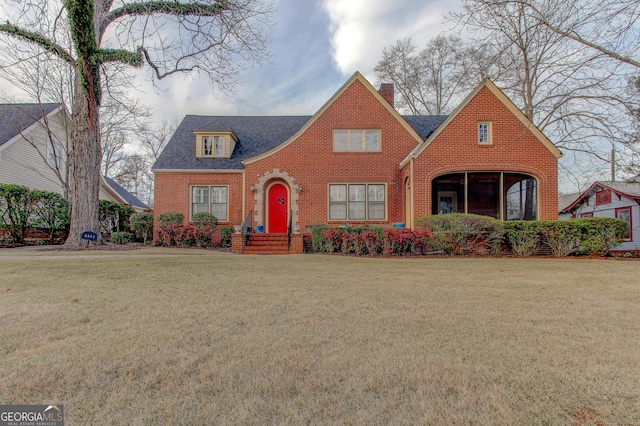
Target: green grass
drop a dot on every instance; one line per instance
(213, 338)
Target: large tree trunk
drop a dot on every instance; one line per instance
(85, 182)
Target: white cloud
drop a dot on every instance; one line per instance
(361, 29)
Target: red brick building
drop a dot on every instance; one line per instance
(357, 160)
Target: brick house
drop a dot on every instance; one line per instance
(357, 161)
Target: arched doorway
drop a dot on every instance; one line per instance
(277, 208)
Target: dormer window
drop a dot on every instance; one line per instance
(215, 144)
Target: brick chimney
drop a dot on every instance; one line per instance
(387, 92)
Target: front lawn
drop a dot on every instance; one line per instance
(225, 339)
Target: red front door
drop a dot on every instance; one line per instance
(278, 209)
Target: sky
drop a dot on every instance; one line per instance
(316, 45)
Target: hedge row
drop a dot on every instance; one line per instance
(22, 208)
(204, 232)
(460, 234)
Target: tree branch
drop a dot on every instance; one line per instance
(39, 40)
(162, 7)
(120, 55)
(573, 36)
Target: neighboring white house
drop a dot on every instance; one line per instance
(33, 141)
(619, 200)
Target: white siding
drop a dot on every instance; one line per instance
(22, 164)
(609, 210)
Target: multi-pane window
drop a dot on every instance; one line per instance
(358, 201)
(207, 145)
(484, 133)
(218, 146)
(210, 199)
(213, 146)
(624, 213)
(361, 140)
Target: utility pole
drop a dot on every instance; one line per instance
(613, 165)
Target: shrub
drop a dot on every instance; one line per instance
(371, 242)
(17, 206)
(398, 241)
(122, 237)
(596, 236)
(463, 233)
(170, 218)
(113, 216)
(6, 239)
(192, 236)
(51, 212)
(560, 236)
(319, 242)
(142, 225)
(333, 239)
(204, 219)
(522, 236)
(225, 235)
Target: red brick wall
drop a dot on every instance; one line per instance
(171, 192)
(514, 149)
(310, 161)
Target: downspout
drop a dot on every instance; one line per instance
(411, 190)
(244, 194)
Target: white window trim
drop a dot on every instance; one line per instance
(209, 186)
(363, 141)
(228, 143)
(366, 219)
(54, 153)
(489, 133)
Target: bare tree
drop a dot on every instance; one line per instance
(154, 139)
(610, 27)
(45, 79)
(208, 37)
(575, 94)
(134, 174)
(433, 80)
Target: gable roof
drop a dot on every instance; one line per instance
(123, 194)
(625, 189)
(355, 77)
(259, 136)
(255, 136)
(505, 101)
(16, 118)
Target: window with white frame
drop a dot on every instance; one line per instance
(360, 140)
(54, 153)
(484, 133)
(213, 146)
(210, 199)
(357, 201)
(207, 145)
(218, 146)
(624, 213)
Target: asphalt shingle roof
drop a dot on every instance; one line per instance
(256, 135)
(126, 195)
(14, 118)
